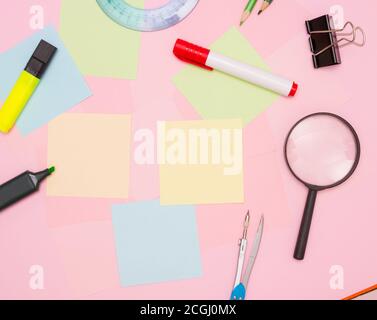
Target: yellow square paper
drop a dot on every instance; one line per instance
(216, 95)
(100, 47)
(91, 153)
(201, 162)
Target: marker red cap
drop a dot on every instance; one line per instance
(191, 53)
(293, 90)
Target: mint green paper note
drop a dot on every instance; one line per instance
(219, 96)
(99, 46)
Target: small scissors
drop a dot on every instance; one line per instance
(241, 281)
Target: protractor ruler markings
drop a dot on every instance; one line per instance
(147, 19)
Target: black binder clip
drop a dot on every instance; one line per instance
(324, 42)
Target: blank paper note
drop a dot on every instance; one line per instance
(100, 47)
(216, 95)
(155, 243)
(61, 87)
(201, 162)
(87, 255)
(91, 153)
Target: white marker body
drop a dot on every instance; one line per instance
(250, 74)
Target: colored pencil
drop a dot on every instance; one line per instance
(358, 294)
(265, 5)
(247, 11)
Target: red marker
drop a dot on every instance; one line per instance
(209, 60)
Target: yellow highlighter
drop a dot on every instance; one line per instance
(25, 85)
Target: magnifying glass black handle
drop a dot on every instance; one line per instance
(306, 221)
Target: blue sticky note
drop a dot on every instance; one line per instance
(155, 243)
(61, 87)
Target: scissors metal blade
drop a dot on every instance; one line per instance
(254, 253)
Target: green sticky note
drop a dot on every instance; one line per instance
(216, 95)
(99, 46)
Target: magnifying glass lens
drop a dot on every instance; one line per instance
(321, 150)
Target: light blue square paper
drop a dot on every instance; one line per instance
(155, 243)
(61, 87)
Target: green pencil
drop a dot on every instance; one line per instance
(246, 13)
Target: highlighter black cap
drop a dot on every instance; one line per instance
(40, 59)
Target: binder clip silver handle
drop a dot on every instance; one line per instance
(340, 32)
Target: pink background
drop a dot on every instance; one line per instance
(73, 238)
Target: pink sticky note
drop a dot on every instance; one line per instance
(87, 253)
(30, 267)
(64, 211)
(109, 96)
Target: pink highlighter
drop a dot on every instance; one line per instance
(209, 60)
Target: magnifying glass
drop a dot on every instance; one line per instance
(322, 151)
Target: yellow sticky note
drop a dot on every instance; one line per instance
(99, 46)
(201, 162)
(91, 153)
(216, 95)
